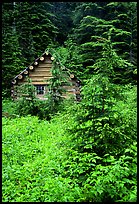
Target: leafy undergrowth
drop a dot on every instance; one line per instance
(43, 162)
(40, 166)
(8, 108)
(33, 153)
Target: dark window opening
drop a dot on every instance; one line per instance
(40, 89)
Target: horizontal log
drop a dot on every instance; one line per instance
(45, 65)
(40, 78)
(49, 61)
(35, 83)
(41, 83)
(36, 79)
(37, 72)
(41, 69)
(40, 74)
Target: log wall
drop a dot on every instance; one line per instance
(41, 74)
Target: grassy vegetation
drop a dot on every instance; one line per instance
(40, 163)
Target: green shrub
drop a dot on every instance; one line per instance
(116, 181)
(106, 179)
(8, 108)
(33, 156)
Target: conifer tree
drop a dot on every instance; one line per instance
(24, 30)
(43, 29)
(97, 122)
(12, 59)
(123, 16)
(89, 27)
(35, 27)
(62, 19)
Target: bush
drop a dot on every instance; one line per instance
(28, 104)
(8, 108)
(33, 156)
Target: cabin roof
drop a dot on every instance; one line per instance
(46, 53)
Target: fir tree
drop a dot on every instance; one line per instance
(123, 16)
(12, 59)
(43, 29)
(97, 122)
(24, 30)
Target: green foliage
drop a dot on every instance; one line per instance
(91, 25)
(41, 163)
(102, 120)
(110, 63)
(29, 28)
(124, 18)
(26, 102)
(100, 125)
(102, 133)
(102, 149)
(12, 60)
(32, 162)
(115, 181)
(104, 179)
(60, 77)
(8, 108)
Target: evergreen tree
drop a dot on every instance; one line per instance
(30, 27)
(117, 68)
(62, 18)
(12, 59)
(35, 27)
(123, 16)
(98, 122)
(24, 30)
(90, 27)
(43, 29)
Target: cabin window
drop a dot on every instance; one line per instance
(40, 90)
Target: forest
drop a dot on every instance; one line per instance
(64, 150)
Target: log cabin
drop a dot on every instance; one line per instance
(40, 74)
